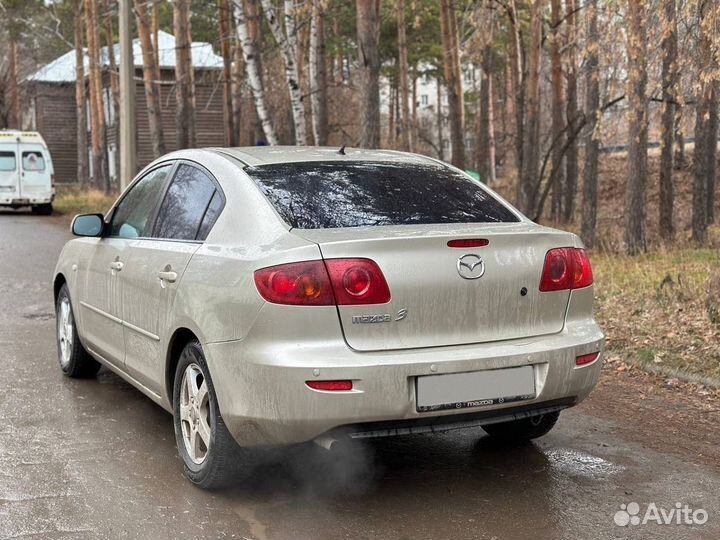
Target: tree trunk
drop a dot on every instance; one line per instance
(669, 90)
(439, 121)
(80, 110)
(97, 116)
(572, 115)
(152, 92)
(288, 42)
(636, 185)
(403, 76)
(318, 75)
(13, 88)
(592, 139)
(251, 55)
(238, 79)
(114, 87)
(185, 112)
(413, 110)
(368, 34)
(453, 81)
(486, 121)
(531, 144)
(225, 43)
(706, 124)
(558, 106)
(518, 84)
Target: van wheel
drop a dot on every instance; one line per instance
(43, 209)
(73, 358)
(210, 453)
(523, 429)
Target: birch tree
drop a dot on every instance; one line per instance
(287, 40)
(152, 91)
(251, 56)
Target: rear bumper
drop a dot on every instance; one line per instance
(264, 400)
(30, 200)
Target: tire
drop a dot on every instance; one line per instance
(74, 360)
(209, 466)
(523, 429)
(43, 209)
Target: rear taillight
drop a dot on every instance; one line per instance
(304, 284)
(357, 281)
(324, 283)
(566, 268)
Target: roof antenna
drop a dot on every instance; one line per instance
(342, 150)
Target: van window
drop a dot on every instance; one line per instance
(7, 161)
(33, 161)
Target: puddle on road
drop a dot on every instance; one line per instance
(575, 462)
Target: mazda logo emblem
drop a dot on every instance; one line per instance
(470, 266)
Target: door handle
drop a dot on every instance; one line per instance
(168, 275)
(116, 265)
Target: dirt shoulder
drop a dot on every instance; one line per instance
(664, 414)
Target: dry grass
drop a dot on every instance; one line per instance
(71, 200)
(654, 309)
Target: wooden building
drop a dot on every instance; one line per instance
(50, 105)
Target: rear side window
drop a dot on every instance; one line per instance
(331, 195)
(7, 161)
(33, 161)
(186, 204)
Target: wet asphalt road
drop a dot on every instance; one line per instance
(96, 459)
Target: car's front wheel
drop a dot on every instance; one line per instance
(523, 429)
(210, 454)
(73, 358)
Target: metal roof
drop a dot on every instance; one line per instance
(265, 155)
(62, 69)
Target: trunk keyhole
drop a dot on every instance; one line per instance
(523, 291)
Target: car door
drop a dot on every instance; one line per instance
(9, 173)
(156, 265)
(102, 279)
(36, 173)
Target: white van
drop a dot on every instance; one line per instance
(26, 172)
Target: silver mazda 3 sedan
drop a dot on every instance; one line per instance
(277, 295)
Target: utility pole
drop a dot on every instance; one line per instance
(128, 158)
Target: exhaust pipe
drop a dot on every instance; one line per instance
(325, 441)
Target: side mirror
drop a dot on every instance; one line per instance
(88, 225)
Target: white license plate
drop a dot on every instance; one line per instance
(475, 388)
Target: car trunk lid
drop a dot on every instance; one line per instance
(434, 305)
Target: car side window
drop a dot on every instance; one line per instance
(213, 211)
(132, 217)
(186, 204)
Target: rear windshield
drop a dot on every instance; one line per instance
(332, 195)
(7, 161)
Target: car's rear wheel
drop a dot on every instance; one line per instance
(523, 429)
(43, 209)
(210, 454)
(73, 358)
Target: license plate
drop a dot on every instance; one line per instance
(20, 201)
(475, 388)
